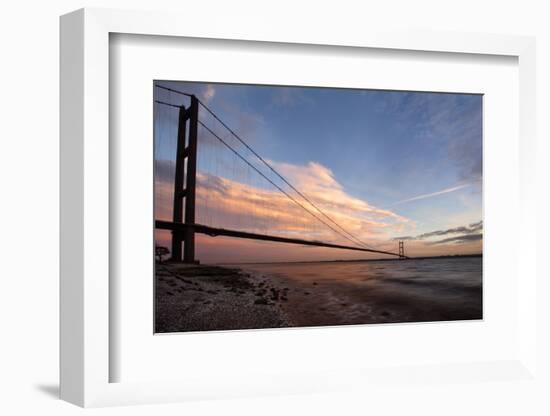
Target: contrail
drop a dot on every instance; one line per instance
(444, 191)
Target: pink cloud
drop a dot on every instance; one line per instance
(230, 204)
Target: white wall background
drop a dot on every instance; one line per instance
(29, 204)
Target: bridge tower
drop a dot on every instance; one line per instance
(185, 183)
(402, 250)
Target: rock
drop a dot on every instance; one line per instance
(261, 301)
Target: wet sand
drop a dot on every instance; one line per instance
(347, 293)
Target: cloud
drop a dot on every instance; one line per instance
(466, 148)
(452, 120)
(476, 225)
(289, 97)
(226, 202)
(459, 239)
(318, 183)
(208, 93)
(468, 233)
(246, 124)
(470, 229)
(430, 195)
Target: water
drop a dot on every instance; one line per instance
(336, 293)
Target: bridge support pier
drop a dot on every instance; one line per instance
(186, 150)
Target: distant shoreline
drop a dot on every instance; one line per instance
(455, 256)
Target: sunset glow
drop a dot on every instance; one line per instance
(385, 166)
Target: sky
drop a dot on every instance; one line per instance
(382, 165)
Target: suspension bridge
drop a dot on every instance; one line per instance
(228, 189)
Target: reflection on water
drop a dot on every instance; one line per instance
(335, 293)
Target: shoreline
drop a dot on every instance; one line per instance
(193, 298)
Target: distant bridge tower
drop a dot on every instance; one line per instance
(402, 250)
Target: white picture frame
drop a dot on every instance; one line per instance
(85, 265)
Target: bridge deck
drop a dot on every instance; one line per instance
(213, 232)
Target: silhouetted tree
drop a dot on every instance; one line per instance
(161, 251)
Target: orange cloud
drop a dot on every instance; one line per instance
(230, 204)
(255, 207)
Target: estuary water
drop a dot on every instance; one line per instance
(361, 292)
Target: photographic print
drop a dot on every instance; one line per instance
(289, 206)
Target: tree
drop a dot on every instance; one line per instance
(161, 251)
